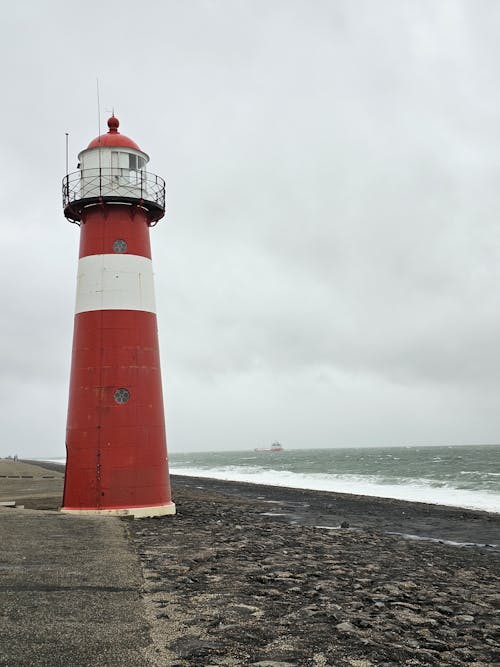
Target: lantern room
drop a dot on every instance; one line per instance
(113, 151)
(112, 169)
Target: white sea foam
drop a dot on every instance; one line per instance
(424, 491)
(411, 490)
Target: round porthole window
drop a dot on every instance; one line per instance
(120, 245)
(122, 395)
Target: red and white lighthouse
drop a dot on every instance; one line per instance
(116, 449)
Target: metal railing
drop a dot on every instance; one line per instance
(87, 186)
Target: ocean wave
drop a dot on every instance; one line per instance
(421, 490)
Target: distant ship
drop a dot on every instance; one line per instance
(275, 447)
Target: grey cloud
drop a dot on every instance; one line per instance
(329, 268)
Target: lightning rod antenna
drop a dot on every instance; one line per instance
(67, 142)
(98, 110)
(98, 121)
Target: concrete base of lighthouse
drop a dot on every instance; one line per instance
(135, 512)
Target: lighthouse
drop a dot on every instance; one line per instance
(116, 452)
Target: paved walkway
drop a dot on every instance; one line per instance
(69, 592)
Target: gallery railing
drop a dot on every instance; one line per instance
(89, 186)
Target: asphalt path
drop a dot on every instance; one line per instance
(70, 592)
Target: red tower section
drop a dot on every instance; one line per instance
(116, 445)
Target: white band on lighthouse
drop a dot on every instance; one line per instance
(115, 282)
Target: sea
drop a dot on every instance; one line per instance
(460, 476)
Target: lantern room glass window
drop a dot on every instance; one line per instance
(122, 160)
(135, 162)
(126, 167)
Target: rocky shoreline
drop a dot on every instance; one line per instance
(312, 508)
(248, 575)
(230, 582)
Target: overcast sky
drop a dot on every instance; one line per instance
(328, 271)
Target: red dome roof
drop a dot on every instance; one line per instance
(113, 137)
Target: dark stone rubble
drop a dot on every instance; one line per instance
(228, 584)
